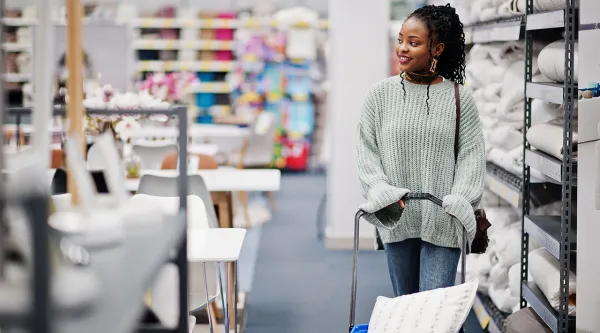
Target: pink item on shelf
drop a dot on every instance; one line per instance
(224, 34)
(224, 55)
(226, 15)
(166, 12)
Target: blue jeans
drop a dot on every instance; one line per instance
(416, 265)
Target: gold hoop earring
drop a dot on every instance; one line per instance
(433, 67)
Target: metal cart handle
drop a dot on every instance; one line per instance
(361, 213)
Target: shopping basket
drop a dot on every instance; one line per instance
(364, 328)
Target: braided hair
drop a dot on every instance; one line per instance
(444, 26)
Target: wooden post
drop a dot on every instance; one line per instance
(74, 59)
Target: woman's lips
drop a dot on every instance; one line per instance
(404, 60)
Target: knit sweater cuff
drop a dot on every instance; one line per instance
(462, 210)
(382, 205)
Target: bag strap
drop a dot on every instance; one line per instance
(456, 129)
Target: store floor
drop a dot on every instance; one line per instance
(299, 286)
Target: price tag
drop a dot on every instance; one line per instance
(144, 66)
(168, 23)
(185, 66)
(187, 23)
(187, 44)
(228, 23)
(205, 66)
(208, 23)
(302, 24)
(148, 298)
(147, 22)
(252, 23)
(170, 44)
(168, 66)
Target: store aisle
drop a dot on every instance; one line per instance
(300, 286)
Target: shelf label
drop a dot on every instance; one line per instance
(168, 66)
(205, 66)
(188, 44)
(548, 20)
(208, 23)
(252, 23)
(146, 22)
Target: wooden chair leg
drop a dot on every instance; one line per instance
(213, 316)
(215, 309)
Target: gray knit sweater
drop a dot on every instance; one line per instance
(403, 149)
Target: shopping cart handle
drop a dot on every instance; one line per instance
(423, 196)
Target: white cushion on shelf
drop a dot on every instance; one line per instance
(551, 61)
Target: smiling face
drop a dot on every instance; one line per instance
(413, 47)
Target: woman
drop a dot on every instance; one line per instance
(406, 139)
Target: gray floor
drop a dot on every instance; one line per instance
(301, 287)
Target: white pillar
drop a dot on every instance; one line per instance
(359, 40)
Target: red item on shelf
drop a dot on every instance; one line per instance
(296, 154)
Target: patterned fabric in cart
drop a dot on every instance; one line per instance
(441, 310)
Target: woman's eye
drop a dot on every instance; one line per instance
(413, 44)
(399, 41)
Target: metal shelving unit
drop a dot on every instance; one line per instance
(120, 305)
(556, 233)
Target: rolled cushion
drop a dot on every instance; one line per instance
(551, 61)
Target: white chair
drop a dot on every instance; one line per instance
(167, 187)
(257, 149)
(95, 158)
(152, 155)
(164, 301)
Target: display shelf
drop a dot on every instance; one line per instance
(504, 190)
(547, 91)
(175, 44)
(542, 307)
(223, 23)
(546, 20)
(500, 30)
(490, 318)
(546, 230)
(546, 164)
(122, 299)
(197, 66)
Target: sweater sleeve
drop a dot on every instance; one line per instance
(381, 197)
(469, 171)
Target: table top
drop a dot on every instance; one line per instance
(215, 244)
(224, 179)
(192, 148)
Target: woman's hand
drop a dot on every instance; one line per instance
(401, 202)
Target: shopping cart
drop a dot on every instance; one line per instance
(364, 328)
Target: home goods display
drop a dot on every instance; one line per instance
(520, 83)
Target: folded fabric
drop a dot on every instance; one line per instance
(525, 321)
(490, 107)
(548, 137)
(499, 276)
(508, 245)
(491, 92)
(488, 14)
(502, 298)
(505, 138)
(496, 156)
(545, 271)
(512, 162)
(548, 5)
(551, 61)
(542, 111)
(514, 279)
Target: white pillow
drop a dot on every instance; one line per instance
(441, 310)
